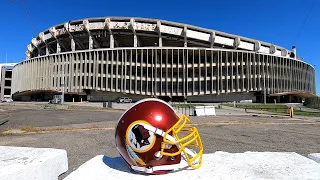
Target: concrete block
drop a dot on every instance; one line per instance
(315, 157)
(219, 165)
(25, 163)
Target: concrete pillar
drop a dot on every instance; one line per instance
(90, 42)
(47, 50)
(3, 71)
(185, 29)
(85, 74)
(212, 72)
(217, 60)
(73, 45)
(111, 40)
(212, 38)
(193, 75)
(58, 47)
(159, 33)
(136, 42)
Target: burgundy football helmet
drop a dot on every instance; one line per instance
(153, 139)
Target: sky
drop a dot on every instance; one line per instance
(285, 23)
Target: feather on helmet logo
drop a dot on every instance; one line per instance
(139, 138)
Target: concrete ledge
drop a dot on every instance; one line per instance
(26, 163)
(220, 165)
(315, 157)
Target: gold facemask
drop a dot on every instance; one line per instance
(186, 137)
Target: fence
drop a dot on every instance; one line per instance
(194, 109)
(187, 110)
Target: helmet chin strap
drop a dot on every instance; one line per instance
(182, 164)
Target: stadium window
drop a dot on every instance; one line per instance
(190, 87)
(8, 74)
(99, 82)
(7, 82)
(7, 91)
(99, 68)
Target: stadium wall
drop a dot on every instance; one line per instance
(104, 58)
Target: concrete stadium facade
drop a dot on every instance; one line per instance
(102, 59)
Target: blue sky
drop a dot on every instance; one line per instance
(274, 21)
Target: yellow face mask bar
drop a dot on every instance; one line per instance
(185, 136)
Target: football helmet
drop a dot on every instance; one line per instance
(153, 139)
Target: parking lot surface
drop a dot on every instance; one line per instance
(86, 133)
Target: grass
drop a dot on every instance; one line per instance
(275, 108)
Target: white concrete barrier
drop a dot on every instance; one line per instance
(26, 163)
(315, 157)
(220, 165)
(205, 110)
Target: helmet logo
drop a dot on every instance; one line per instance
(139, 138)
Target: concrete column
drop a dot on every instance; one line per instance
(125, 72)
(278, 85)
(90, 42)
(130, 72)
(111, 39)
(172, 92)
(136, 72)
(177, 79)
(231, 74)
(122, 78)
(58, 47)
(185, 29)
(73, 45)
(103, 63)
(72, 76)
(136, 42)
(206, 72)
(108, 86)
(47, 50)
(77, 74)
(266, 64)
(86, 72)
(227, 73)
(242, 72)
(141, 73)
(249, 72)
(155, 72)
(193, 75)
(147, 71)
(221, 72)
(167, 76)
(160, 59)
(90, 85)
(152, 70)
(199, 68)
(3, 71)
(272, 74)
(212, 73)
(159, 33)
(94, 73)
(217, 60)
(81, 74)
(212, 38)
(112, 88)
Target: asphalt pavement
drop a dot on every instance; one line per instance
(91, 132)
